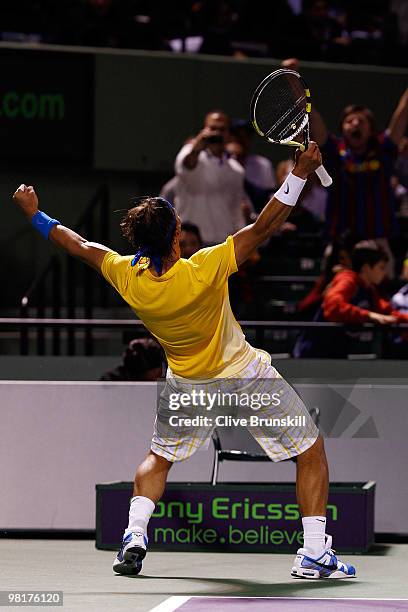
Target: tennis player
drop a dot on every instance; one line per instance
(185, 305)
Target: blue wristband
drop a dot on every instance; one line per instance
(43, 223)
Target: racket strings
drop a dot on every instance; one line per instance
(291, 120)
(296, 132)
(280, 108)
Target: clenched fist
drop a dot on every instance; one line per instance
(26, 199)
(308, 161)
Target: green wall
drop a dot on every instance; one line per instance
(145, 106)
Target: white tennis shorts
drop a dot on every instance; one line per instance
(188, 411)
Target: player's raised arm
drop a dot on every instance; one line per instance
(279, 207)
(90, 253)
(399, 119)
(318, 129)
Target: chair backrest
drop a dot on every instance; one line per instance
(236, 438)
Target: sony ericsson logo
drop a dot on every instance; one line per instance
(221, 521)
(226, 509)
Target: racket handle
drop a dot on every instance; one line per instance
(325, 178)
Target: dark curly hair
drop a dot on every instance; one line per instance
(150, 224)
(142, 354)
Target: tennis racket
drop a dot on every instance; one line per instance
(280, 111)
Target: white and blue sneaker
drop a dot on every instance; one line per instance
(326, 565)
(133, 551)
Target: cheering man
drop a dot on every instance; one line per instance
(184, 303)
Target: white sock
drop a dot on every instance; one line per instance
(314, 530)
(141, 509)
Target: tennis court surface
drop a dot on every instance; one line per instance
(196, 582)
(287, 604)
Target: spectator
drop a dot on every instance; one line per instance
(404, 271)
(210, 188)
(352, 298)
(259, 174)
(169, 190)
(399, 300)
(401, 165)
(374, 32)
(398, 347)
(315, 35)
(361, 163)
(142, 360)
(369, 31)
(190, 240)
(306, 215)
(356, 299)
(400, 180)
(337, 257)
(400, 8)
(99, 25)
(311, 207)
(251, 28)
(217, 39)
(24, 21)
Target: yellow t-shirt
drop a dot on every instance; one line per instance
(187, 309)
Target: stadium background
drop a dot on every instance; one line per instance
(74, 119)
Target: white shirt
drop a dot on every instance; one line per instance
(210, 195)
(315, 201)
(259, 172)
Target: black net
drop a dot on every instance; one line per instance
(280, 108)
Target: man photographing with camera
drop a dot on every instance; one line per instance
(210, 188)
(214, 136)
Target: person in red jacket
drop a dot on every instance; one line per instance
(337, 257)
(353, 297)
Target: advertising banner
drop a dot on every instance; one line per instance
(256, 517)
(46, 102)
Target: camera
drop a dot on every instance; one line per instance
(215, 139)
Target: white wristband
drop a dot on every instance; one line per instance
(289, 192)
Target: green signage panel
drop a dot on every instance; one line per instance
(256, 517)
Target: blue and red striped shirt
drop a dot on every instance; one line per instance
(361, 198)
